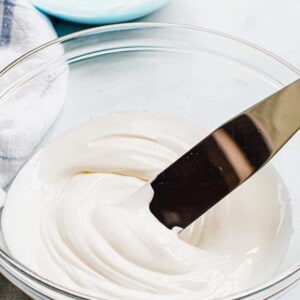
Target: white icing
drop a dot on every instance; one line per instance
(63, 217)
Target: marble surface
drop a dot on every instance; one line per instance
(271, 24)
(9, 292)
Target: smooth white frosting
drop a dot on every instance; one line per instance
(66, 219)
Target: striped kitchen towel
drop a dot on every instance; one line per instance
(27, 116)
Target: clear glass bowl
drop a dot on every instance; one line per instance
(197, 73)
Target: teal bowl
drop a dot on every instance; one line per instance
(98, 11)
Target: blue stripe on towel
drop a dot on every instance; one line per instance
(8, 11)
(12, 159)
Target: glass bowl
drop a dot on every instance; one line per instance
(196, 73)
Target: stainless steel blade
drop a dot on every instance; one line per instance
(225, 159)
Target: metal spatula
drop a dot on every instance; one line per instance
(225, 159)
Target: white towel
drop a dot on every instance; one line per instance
(27, 116)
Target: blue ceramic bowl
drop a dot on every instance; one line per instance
(98, 11)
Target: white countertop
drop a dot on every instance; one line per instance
(271, 24)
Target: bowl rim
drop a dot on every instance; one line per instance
(140, 25)
(17, 266)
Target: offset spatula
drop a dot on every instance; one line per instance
(225, 159)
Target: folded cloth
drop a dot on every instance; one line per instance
(26, 116)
